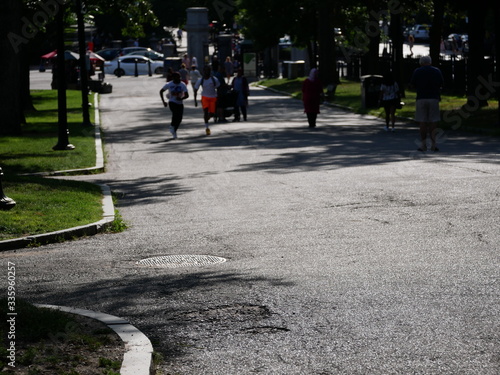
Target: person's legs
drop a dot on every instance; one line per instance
(392, 114)
(423, 136)
(209, 108)
(177, 113)
(244, 111)
(236, 113)
(432, 132)
(422, 117)
(311, 119)
(434, 118)
(206, 115)
(387, 117)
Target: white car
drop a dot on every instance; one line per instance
(126, 65)
(420, 32)
(149, 53)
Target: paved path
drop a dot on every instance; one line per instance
(347, 252)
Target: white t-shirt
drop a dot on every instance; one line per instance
(175, 91)
(209, 86)
(389, 92)
(194, 75)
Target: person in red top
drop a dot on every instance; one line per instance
(312, 95)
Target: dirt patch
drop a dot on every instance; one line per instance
(86, 347)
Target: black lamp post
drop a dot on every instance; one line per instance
(63, 137)
(6, 203)
(82, 48)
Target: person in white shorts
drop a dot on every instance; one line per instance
(427, 81)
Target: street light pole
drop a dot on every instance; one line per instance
(83, 63)
(63, 137)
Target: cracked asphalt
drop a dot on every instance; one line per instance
(347, 251)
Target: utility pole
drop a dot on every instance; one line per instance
(82, 47)
(63, 137)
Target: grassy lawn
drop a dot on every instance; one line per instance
(348, 94)
(32, 152)
(45, 205)
(42, 204)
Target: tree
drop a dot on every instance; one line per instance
(11, 111)
(21, 23)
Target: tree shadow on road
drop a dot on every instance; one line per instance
(155, 302)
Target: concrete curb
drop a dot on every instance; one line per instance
(80, 231)
(138, 359)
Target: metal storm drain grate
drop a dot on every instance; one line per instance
(174, 261)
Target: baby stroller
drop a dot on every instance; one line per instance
(226, 104)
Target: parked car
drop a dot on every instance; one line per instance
(112, 53)
(125, 65)
(149, 53)
(128, 50)
(420, 32)
(109, 54)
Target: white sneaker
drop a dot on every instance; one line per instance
(172, 130)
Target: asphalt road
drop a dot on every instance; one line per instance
(347, 252)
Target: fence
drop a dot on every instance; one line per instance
(454, 70)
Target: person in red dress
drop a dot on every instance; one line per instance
(312, 95)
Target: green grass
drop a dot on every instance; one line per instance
(46, 205)
(348, 94)
(42, 204)
(32, 151)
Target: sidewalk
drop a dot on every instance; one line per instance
(345, 250)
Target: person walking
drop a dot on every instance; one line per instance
(411, 42)
(208, 95)
(177, 92)
(312, 95)
(389, 99)
(229, 67)
(427, 81)
(194, 76)
(242, 92)
(184, 74)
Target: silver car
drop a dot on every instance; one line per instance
(126, 65)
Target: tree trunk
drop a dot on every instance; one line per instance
(83, 64)
(371, 31)
(327, 56)
(497, 55)
(436, 31)
(11, 42)
(476, 53)
(63, 133)
(397, 42)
